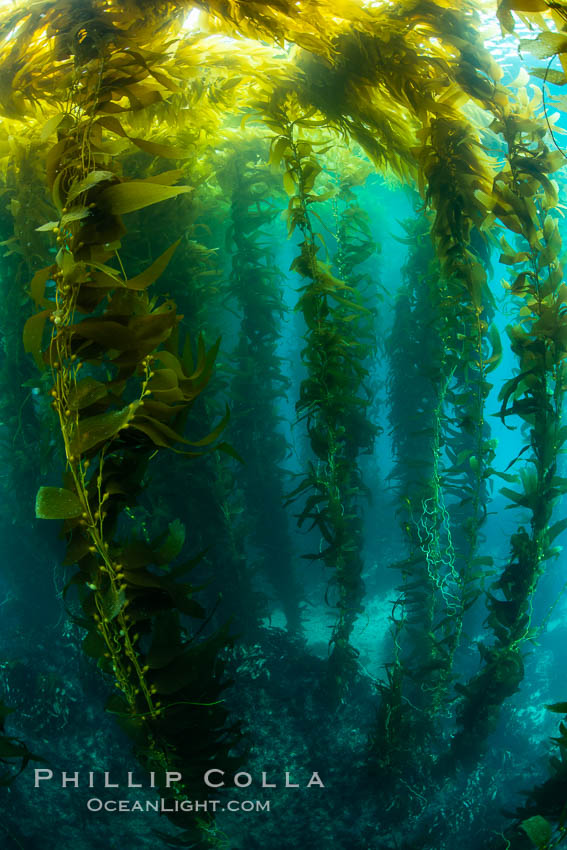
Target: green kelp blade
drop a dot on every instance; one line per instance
(32, 336)
(151, 274)
(558, 707)
(173, 543)
(86, 392)
(56, 503)
(132, 195)
(538, 830)
(103, 426)
(92, 179)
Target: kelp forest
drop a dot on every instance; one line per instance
(283, 356)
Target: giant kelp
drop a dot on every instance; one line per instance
(331, 396)
(524, 197)
(117, 399)
(256, 285)
(429, 596)
(108, 95)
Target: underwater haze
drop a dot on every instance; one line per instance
(283, 359)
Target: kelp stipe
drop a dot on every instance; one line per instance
(415, 351)
(427, 615)
(119, 396)
(330, 397)
(256, 284)
(543, 817)
(524, 197)
(216, 500)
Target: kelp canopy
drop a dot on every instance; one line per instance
(138, 140)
